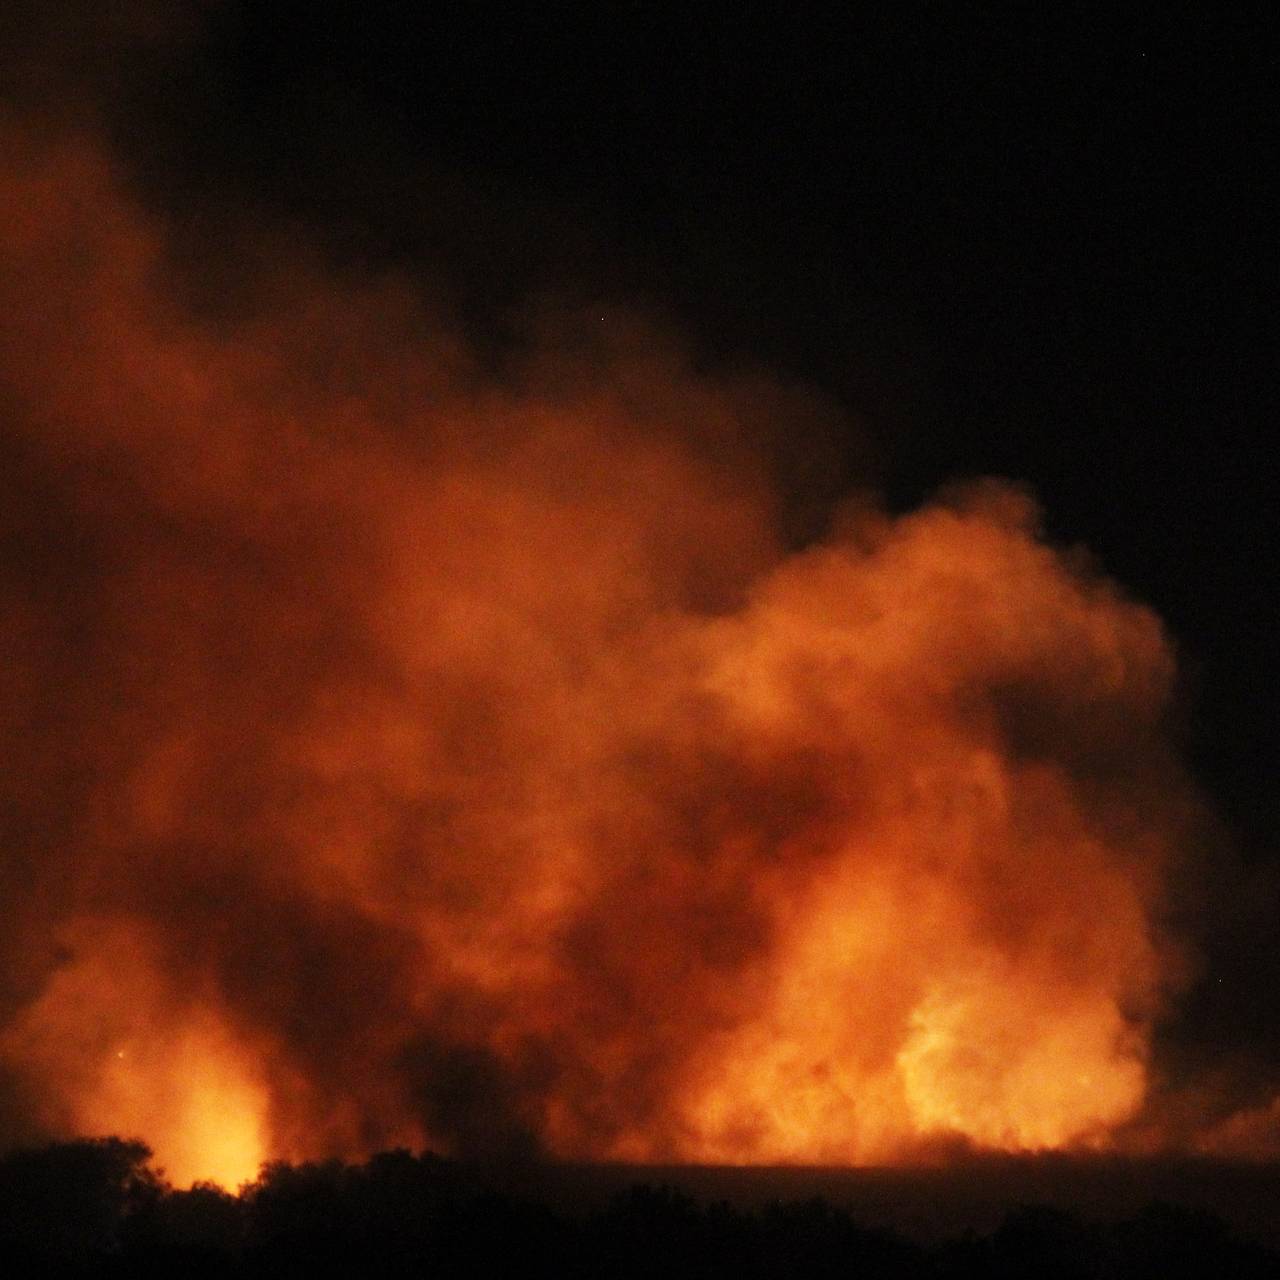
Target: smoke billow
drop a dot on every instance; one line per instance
(404, 751)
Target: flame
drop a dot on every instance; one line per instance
(195, 1095)
(127, 1061)
(418, 755)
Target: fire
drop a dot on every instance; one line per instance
(194, 1098)
(128, 1059)
(413, 755)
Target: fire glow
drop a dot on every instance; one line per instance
(411, 755)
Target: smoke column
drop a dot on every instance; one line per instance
(400, 751)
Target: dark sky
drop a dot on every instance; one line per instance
(1040, 248)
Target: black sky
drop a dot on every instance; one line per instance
(1041, 247)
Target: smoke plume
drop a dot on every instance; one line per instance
(401, 749)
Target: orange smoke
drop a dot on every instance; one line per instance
(404, 752)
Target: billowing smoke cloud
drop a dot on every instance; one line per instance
(399, 751)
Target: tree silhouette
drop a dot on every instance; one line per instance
(95, 1207)
(71, 1201)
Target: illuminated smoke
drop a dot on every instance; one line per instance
(403, 753)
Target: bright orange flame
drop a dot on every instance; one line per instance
(192, 1098)
(121, 1058)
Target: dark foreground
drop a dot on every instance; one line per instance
(96, 1208)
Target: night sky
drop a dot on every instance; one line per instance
(1040, 248)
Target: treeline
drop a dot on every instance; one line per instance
(96, 1208)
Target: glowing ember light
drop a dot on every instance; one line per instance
(190, 1097)
(181, 1082)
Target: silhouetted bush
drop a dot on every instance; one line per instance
(95, 1208)
(194, 1233)
(69, 1203)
